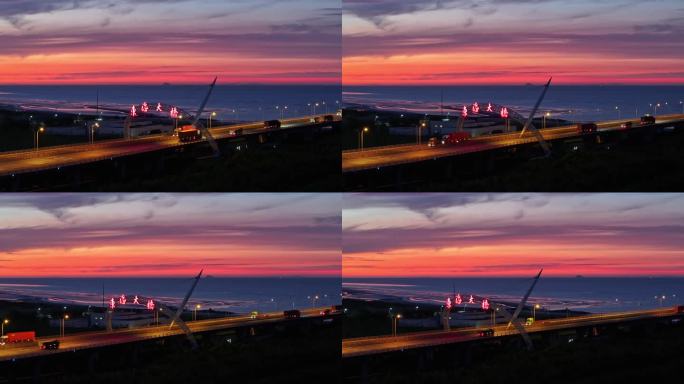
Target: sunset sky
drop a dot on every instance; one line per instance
(513, 42)
(77, 235)
(176, 41)
(473, 235)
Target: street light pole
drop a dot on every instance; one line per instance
(210, 116)
(361, 132)
(534, 312)
(197, 306)
(420, 132)
(66, 317)
(3, 326)
(36, 138)
(395, 319)
(618, 111)
(547, 114)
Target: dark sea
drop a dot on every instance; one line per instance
(230, 102)
(581, 103)
(582, 293)
(233, 294)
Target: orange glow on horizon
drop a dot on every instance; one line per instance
(478, 67)
(114, 67)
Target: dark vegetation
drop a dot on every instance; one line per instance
(622, 167)
(300, 350)
(640, 354)
(306, 165)
(303, 354)
(637, 163)
(297, 163)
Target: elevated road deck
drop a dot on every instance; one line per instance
(27, 161)
(385, 344)
(85, 340)
(378, 157)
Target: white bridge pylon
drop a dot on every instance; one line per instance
(175, 318)
(495, 308)
(528, 123)
(513, 319)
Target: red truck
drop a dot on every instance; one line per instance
(587, 128)
(21, 337)
(189, 133)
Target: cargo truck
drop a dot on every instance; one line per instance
(188, 133)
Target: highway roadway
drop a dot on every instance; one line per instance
(84, 340)
(25, 161)
(383, 344)
(377, 157)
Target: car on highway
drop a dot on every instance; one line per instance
(54, 344)
(626, 124)
(254, 315)
(326, 312)
(486, 333)
(272, 124)
(587, 128)
(324, 119)
(647, 119)
(292, 314)
(236, 132)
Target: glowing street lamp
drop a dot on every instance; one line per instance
(93, 127)
(547, 114)
(4, 322)
(66, 317)
(534, 311)
(395, 319)
(36, 138)
(617, 109)
(178, 117)
(682, 104)
(213, 114)
(361, 133)
(197, 306)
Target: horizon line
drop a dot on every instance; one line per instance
(576, 276)
(168, 276)
(168, 84)
(511, 84)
